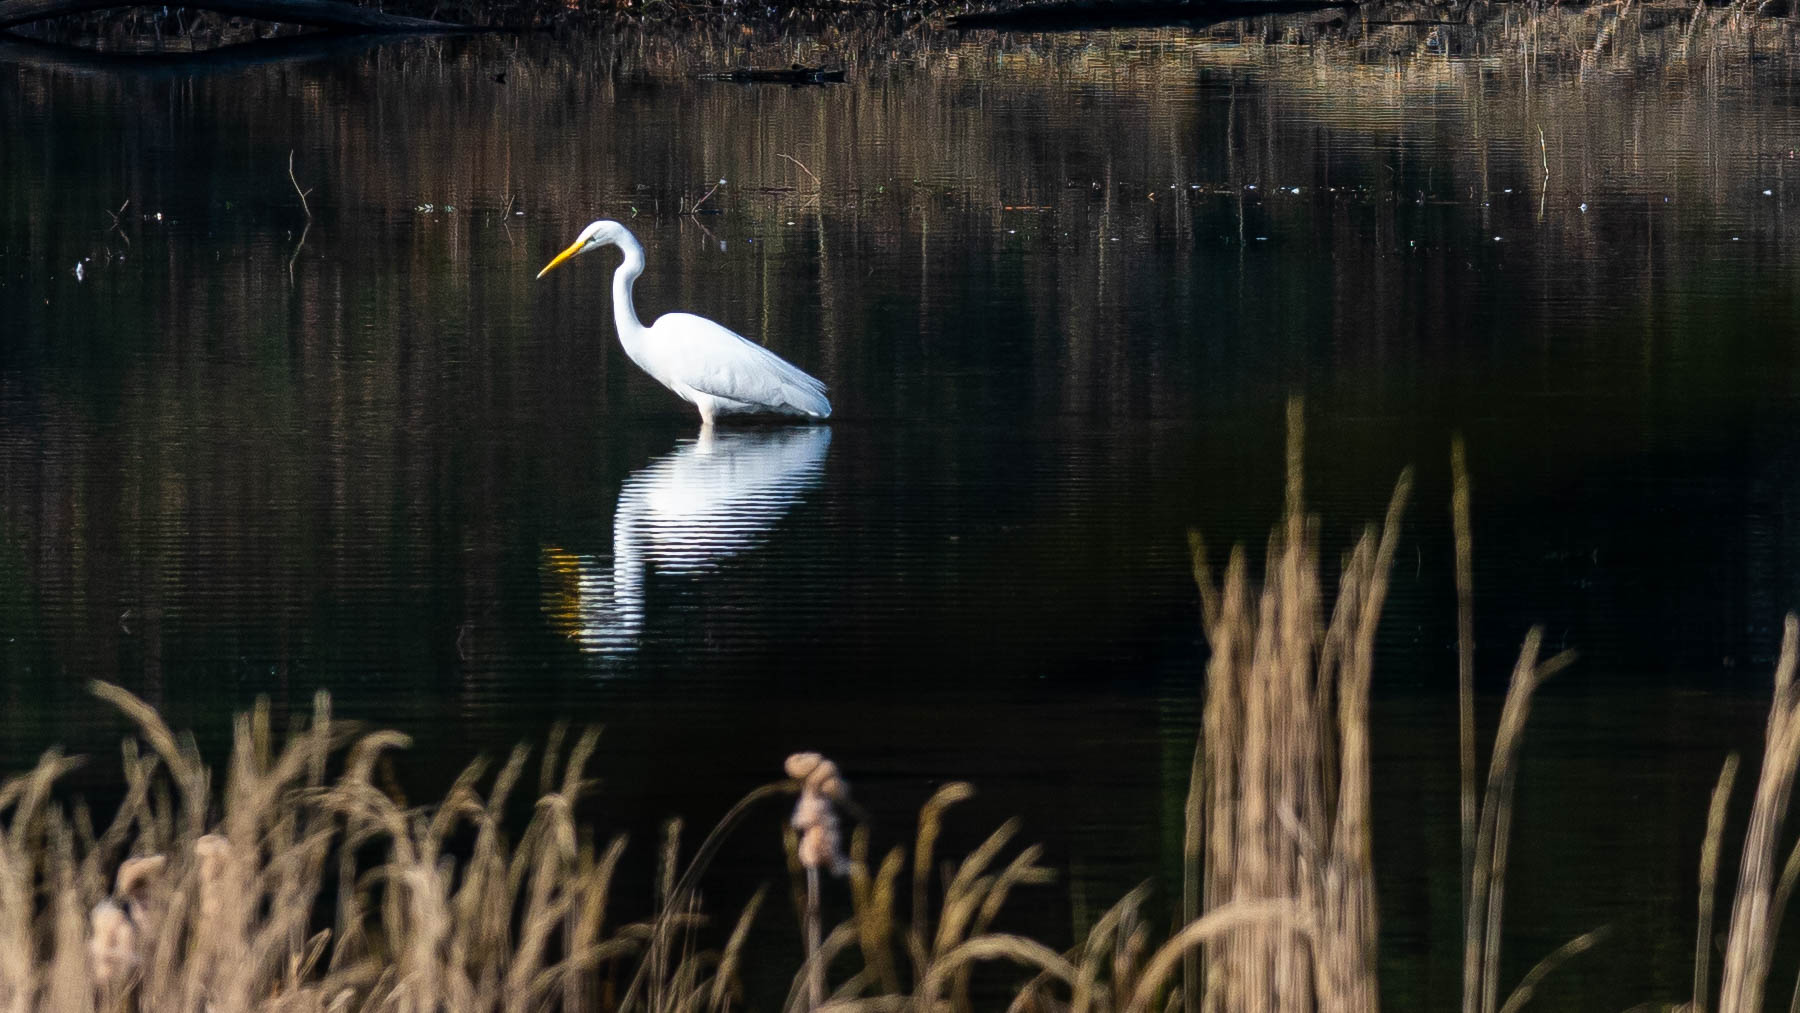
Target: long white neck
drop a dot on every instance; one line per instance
(624, 313)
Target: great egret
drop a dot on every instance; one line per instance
(719, 371)
(684, 513)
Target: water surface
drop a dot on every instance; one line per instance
(1060, 287)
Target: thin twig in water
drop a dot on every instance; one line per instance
(817, 189)
(303, 205)
(702, 226)
(695, 208)
(802, 166)
(116, 226)
(1544, 190)
(297, 247)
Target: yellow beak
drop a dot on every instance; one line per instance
(564, 255)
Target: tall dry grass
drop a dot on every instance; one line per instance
(1487, 828)
(300, 884)
(1279, 800)
(1761, 894)
(264, 904)
(1278, 803)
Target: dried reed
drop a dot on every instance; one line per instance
(1487, 888)
(1709, 880)
(1754, 916)
(1465, 655)
(271, 907)
(1486, 831)
(1281, 782)
(276, 904)
(1760, 898)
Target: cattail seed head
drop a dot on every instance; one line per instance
(815, 819)
(800, 765)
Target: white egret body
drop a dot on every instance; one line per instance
(716, 369)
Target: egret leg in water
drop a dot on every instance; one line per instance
(718, 370)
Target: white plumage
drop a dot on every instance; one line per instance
(716, 369)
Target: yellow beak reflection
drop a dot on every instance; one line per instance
(561, 571)
(564, 255)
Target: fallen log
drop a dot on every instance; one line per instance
(1077, 14)
(795, 74)
(333, 14)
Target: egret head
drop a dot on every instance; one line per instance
(596, 235)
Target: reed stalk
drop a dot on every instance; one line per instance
(1279, 808)
(1465, 656)
(1709, 880)
(1754, 920)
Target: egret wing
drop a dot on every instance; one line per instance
(715, 360)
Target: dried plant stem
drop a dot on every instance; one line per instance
(1465, 656)
(1192, 847)
(1709, 880)
(1276, 917)
(1481, 932)
(1280, 808)
(1751, 941)
(1562, 955)
(815, 976)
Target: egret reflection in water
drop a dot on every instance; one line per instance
(683, 513)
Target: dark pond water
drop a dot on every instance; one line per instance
(1060, 287)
